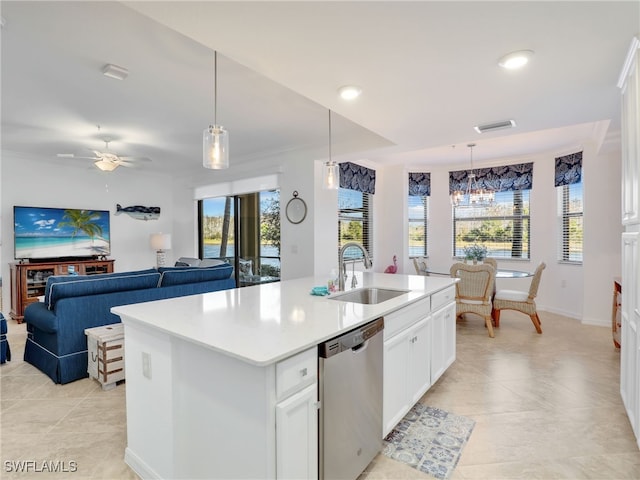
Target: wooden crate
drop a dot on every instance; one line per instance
(105, 347)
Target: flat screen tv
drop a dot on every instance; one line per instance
(55, 233)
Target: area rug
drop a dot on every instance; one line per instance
(429, 440)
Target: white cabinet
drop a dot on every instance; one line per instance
(419, 368)
(297, 416)
(407, 361)
(630, 123)
(443, 340)
(629, 84)
(297, 435)
(630, 331)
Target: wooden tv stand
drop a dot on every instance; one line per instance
(28, 280)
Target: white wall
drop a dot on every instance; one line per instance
(582, 292)
(36, 183)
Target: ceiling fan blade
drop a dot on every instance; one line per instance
(124, 163)
(135, 159)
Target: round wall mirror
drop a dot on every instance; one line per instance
(296, 209)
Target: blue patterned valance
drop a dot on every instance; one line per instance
(356, 177)
(569, 169)
(419, 184)
(498, 179)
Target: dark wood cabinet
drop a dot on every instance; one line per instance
(28, 280)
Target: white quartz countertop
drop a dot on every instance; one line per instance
(264, 324)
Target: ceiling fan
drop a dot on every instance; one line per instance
(108, 161)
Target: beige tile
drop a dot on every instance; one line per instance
(546, 407)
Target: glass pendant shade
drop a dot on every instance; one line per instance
(330, 176)
(215, 147)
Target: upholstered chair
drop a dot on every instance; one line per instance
(474, 290)
(520, 301)
(420, 264)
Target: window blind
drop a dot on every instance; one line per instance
(418, 213)
(570, 208)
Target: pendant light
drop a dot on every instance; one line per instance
(215, 139)
(330, 172)
(473, 196)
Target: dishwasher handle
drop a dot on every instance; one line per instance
(354, 340)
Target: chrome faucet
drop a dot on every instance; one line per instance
(341, 269)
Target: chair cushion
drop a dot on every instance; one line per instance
(210, 262)
(470, 302)
(182, 275)
(512, 295)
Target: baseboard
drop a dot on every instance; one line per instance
(596, 322)
(139, 466)
(558, 311)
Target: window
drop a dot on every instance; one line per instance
(354, 221)
(418, 213)
(243, 230)
(503, 227)
(570, 214)
(570, 207)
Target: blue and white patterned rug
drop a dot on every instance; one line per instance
(429, 440)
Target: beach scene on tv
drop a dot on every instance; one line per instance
(55, 233)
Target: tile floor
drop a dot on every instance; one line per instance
(546, 406)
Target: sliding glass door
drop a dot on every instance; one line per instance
(243, 230)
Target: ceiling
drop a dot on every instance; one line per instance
(428, 71)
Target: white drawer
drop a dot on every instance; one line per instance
(403, 318)
(296, 372)
(443, 297)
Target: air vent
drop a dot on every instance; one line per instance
(489, 127)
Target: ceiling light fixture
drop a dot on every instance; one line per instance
(330, 173)
(515, 60)
(215, 139)
(349, 92)
(473, 196)
(106, 166)
(114, 71)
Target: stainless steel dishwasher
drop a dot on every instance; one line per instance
(350, 401)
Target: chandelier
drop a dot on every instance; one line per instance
(472, 196)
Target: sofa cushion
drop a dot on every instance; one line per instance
(76, 286)
(182, 275)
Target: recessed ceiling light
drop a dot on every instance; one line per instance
(114, 71)
(349, 92)
(514, 60)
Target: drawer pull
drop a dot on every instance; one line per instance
(303, 372)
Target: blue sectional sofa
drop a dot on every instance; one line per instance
(56, 342)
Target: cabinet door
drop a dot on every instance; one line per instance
(419, 379)
(630, 356)
(297, 435)
(395, 401)
(630, 139)
(443, 340)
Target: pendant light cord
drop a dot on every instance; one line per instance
(330, 160)
(215, 87)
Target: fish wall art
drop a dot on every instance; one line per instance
(139, 212)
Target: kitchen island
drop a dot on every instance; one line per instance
(224, 384)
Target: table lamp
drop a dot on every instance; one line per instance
(160, 242)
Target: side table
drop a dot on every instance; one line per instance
(616, 323)
(105, 347)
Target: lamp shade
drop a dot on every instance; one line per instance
(215, 147)
(330, 176)
(160, 241)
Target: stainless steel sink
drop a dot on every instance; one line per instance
(368, 295)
